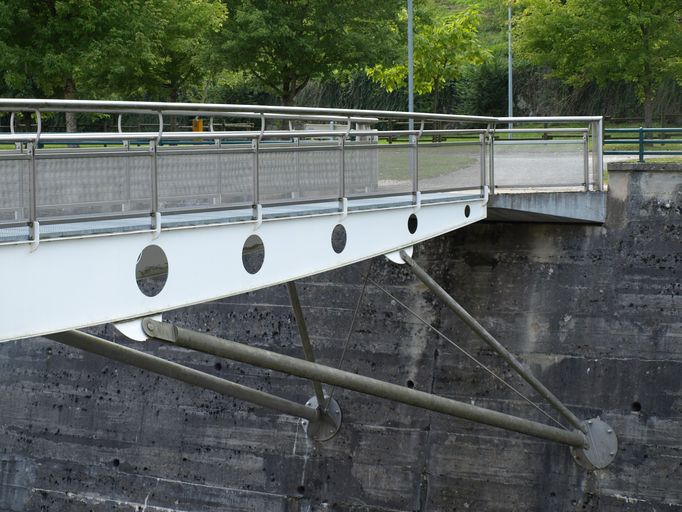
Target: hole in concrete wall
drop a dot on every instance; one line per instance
(410, 384)
(467, 211)
(151, 270)
(218, 366)
(253, 254)
(636, 406)
(412, 223)
(300, 489)
(115, 462)
(339, 238)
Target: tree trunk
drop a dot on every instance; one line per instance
(70, 94)
(648, 109)
(436, 96)
(287, 98)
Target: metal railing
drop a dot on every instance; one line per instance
(563, 153)
(294, 156)
(643, 142)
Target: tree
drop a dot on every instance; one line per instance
(122, 49)
(444, 45)
(286, 43)
(636, 41)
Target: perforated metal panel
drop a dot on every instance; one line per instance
(69, 185)
(14, 189)
(449, 166)
(539, 163)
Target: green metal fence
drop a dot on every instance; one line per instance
(643, 142)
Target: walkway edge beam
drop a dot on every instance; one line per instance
(132, 357)
(488, 338)
(270, 360)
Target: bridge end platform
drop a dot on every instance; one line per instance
(561, 207)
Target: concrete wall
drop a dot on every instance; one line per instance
(594, 310)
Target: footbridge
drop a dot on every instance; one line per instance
(145, 215)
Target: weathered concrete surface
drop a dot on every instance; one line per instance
(570, 207)
(594, 310)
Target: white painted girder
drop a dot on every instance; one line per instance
(74, 283)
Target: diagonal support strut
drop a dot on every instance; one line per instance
(488, 338)
(305, 339)
(208, 344)
(132, 357)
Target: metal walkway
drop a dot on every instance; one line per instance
(301, 190)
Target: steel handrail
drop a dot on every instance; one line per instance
(142, 107)
(40, 144)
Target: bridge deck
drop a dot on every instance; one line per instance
(298, 180)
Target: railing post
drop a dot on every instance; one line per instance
(482, 139)
(153, 149)
(641, 144)
(414, 169)
(586, 162)
(598, 152)
(32, 192)
(255, 143)
(491, 181)
(34, 225)
(342, 171)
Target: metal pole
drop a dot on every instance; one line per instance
(454, 306)
(410, 97)
(410, 61)
(510, 98)
(271, 360)
(176, 371)
(305, 339)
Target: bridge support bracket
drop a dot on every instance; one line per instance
(328, 421)
(601, 448)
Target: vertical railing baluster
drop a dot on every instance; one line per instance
(33, 223)
(32, 195)
(154, 149)
(482, 139)
(342, 171)
(491, 181)
(598, 149)
(586, 162)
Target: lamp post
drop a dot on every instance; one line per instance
(410, 62)
(510, 99)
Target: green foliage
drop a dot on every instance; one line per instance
(636, 41)
(285, 44)
(483, 89)
(121, 49)
(445, 44)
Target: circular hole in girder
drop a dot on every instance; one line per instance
(253, 254)
(467, 211)
(412, 223)
(339, 238)
(636, 406)
(410, 384)
(151, 270)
